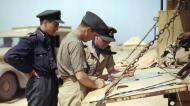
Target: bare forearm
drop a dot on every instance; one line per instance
(83, 78)
(112, 70)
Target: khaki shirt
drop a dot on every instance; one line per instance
(70, 57)
(97, 63)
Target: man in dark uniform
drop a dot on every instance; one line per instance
(35, 55)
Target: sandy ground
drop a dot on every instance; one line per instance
(150, 101)
(122, 54)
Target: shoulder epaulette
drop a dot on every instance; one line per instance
(32, 37)
(32, 34)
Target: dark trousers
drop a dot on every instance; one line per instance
(42, 91)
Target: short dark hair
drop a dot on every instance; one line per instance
(84, 24)
(42, 19)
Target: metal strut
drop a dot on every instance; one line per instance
(142, 40)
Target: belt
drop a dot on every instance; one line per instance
(43, 73)
(68, 77)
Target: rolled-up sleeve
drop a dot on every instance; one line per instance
(110, 62)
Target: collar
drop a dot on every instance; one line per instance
(97, 50)
(92, 49)
(76, 34)
(41, 34)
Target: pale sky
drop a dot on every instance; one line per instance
(129, 17)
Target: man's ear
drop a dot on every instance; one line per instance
(45, 22)
(88, 29)
(96, 37)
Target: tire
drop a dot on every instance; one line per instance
(8, 86)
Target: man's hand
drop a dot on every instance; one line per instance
(84, 79)
(186, 34)
(183, 41)
(115, 73)
(182, 36)
(112, 70)
(99, 83)
(105, 77)
(129, 73)
(33, 73)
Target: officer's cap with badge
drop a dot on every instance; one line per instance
(52, 15)
(95, 22)
(109, 36)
